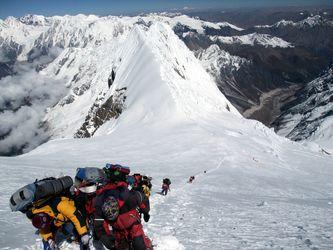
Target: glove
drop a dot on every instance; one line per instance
(85, 239)
(146, 217)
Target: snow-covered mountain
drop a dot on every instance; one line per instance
(313, 32)
(310, 116)
(254, 39)
(80, 52)
(308, 22)
(18, 37)
(164, 116)
(38, 32)
(178, 68)
(213, 58)
(281, 59)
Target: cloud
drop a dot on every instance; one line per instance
(24, 98)
(185, 8)
(23, 129)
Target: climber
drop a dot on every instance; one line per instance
(191, 179)
(117, 212)
(166, 186)
(47, 203)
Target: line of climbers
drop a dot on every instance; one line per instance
(102, 207)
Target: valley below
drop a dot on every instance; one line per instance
(270, 104)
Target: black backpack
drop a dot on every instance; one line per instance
(40, 190)
(167, 181)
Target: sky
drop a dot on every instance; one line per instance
(19, 8)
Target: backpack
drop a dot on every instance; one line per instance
(39, 190)
(167, 181)
(116, 172)
(146, 180)
(138, 179)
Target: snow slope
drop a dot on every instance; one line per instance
(260, 191)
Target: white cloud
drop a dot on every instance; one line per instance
(24, 98)
(22, 128)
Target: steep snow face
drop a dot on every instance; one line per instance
(253, 39)
(190, 85)
(312, 118)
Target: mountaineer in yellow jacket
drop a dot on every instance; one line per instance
(146, 190)
(51, 215)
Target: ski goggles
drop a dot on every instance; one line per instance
(88, 189)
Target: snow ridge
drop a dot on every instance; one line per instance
(192, 23)
(151, 59)
(187, 79)
(253, 39)
(226, 24)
